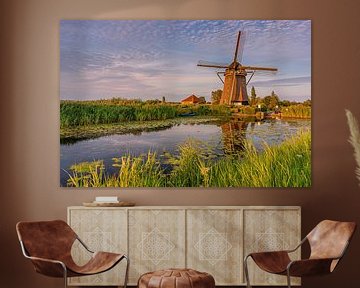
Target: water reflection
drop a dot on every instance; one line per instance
(222, 137)
(234, 136)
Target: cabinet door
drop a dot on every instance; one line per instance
(156, 240)
(270, 230)
(214, 244)
(101, 230)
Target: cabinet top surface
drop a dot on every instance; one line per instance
(192, 207)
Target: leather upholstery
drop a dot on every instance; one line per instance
(328, 241)
(272, 262)
(53, 240)
(176, 278)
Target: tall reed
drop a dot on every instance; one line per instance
(84, 113)
(80, 114)
(296, 111)
(286, 165)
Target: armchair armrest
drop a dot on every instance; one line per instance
(83, 244)
(49, 267)
(298, 246)
(314, 266)
(279, 252)
(269, 253)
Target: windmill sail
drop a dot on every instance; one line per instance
(260, 68)
(241, 46)
(235, 91)
(202, 63)
(237, 47)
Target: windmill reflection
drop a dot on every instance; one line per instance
(234, 135)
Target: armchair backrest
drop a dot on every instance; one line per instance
(46, 239)
(329, 239)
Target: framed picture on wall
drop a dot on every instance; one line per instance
(185, 103)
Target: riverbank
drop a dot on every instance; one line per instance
(298, 111)
(76, 133)
(284, 165)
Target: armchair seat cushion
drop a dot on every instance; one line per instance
(272, 262)
(99, 262)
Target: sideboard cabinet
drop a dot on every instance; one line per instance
(211, 239)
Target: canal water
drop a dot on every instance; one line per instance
(222, 138)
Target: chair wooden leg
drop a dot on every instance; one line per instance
(246, 271)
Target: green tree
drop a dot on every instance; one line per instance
(274, 102)
(253, 96)
(285, 103)
(307, 102)
(271, 101)
(267, 100)
(259, 100)
(216, 96)
(202, 100)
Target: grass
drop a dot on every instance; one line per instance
(190, 166)
(247, 110)
(296, 111)
(85, 113)
(82, 114)
(285, 165)
(133, 172)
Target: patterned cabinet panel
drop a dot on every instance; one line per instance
(101, 230)
(267, 230)
(214, 244)
(156, 240)
(209, 239)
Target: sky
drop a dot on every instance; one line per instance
(149, 59)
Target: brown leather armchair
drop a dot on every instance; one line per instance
(48, 245)
(328, 242)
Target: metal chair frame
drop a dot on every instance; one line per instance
(288, 276)
(23, 249)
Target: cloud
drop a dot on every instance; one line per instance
(295, 81)
(101, 58)
(293, 89)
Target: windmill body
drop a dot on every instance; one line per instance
(234, 93)
(235, 90)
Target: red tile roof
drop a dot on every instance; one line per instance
(192, 99)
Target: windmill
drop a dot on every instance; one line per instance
(234, 91)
